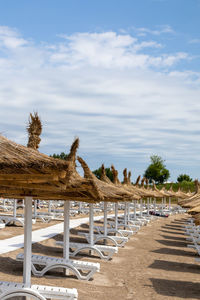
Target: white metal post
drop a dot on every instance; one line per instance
(125, 213)
(27, 242)
(162, 206)
(66, 230)
(80, 207)
(128, 211)
(105, 218)
(148, 206)
(14, 208)
(135, 205)
(169, 203)
(116, 216)
(49, 207)
(91, 221)
(154, 204)
(141, 207)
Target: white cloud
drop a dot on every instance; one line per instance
(110, 50)
(10, 38)
(143, 31)
(194, 41)
(125, 105)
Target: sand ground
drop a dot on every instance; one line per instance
(155, 264)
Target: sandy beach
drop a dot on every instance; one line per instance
(154, 264)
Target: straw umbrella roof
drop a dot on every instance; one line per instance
(126, 185)
(149, 192)
(27, 172)
(24, 171)
(141, 191)
(196, 218)
(118, 184)
(195, 209)
(109, 191)
(194, 197)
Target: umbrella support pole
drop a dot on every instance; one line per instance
(116, 216)
(135, 204)
(49, 207)
(27, 242)
(141, 207)
(105, 221)
(14, 208)
(162, 206)
(80, 207)
(91, 225)
(66, 234)
(128, 212)
(154, 204)
(147, 206)
(125, 214)
(169, 203)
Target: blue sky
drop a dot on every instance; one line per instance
(124, 76)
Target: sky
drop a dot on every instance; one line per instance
(122, 75)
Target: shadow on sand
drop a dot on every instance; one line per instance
(176, 238)
(178, 252)
(175, 266)
(173, 288)
(172, 243)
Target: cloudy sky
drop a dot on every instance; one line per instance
(124, 76)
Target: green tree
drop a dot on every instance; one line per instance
(62, 155)
(157, 170)
(184, 177)
(98, 171)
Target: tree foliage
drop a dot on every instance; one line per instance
(62, 155)
(184, 177)
(157, 170)
(98, 172)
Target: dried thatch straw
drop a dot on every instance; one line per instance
(27, 172)
(115, 176)
(125, 181)
(103, 175)
(34, 129)
(129, 177)
(137, 181)
(192, 200)
(109, 191)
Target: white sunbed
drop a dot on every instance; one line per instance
(117, 232)
(10, 219)
(118, 241)
(104, 252)
(122, 225)
(81, 269)
(12, 290)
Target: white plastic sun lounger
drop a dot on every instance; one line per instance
(118, 241)
(117, 232)
(104, 252)
(121, 225)
(81, 269)
(12, 290)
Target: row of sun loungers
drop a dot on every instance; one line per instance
(116, 231)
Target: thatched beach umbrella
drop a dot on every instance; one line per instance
(194, 197)
(26, 173)
(117, 184)
(110, 192)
